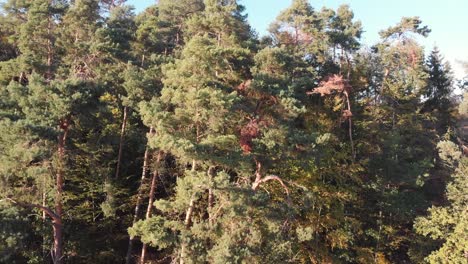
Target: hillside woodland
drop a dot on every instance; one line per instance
(178, 135)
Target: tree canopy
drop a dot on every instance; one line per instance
(178, 135)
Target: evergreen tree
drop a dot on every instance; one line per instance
(173, 15)
(199, 85)
(8, 49)
(300, 29)
(46, 110)
(47, 101)
(77, 39)
(114, 42)
(438, 90)
(142, 82)
(400, 149)
(37, 38)
(301, 147)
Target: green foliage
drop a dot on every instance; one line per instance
(301, 147)
(406, 25)
(344, 31)
(439, 90)
(449, 223)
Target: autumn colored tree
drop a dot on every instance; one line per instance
(177, 134)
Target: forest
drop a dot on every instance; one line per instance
(179, 135)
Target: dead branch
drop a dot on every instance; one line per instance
(47, 210)
(270, 178)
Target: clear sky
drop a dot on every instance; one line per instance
(448, 20)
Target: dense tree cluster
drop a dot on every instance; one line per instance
(177, 135)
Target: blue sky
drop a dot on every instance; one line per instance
(448, 20)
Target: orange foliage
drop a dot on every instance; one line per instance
(335, 83)
(332, 83)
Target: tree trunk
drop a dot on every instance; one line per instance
(57, 222)
(188, 214)
(49, 49)
(210, 195)
(122, 136)
(44, 199)
(151, 201)
(44, 204)
(139, 199)
(58, 241)
(153, 186)
(350, 125)
(188, 221)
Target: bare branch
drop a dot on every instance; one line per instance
(47, 210)
(215, 215)
(270, 178)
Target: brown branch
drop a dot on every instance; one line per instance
(221, 206)
(121, 141)
(259, 180)
(210, 193)
(45, 209)
(270, 178)
(350, 128)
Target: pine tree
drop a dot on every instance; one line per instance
(114, 49)
(142, 82)
(301, 29)
(400, 150)
(77, 40)
(300, 147)
(47, 109)
(173, 16)
(8, 49)
(439, 89)
(48, 99)
(199, 84)
(37, 39)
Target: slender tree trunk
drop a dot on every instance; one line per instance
(350, 126)
(153, 186)
(122, 136)
(57, 222)
(149, 210)
(49, 49)
(188, 215)
(377, 246)
(296, 36)
(44, 199)
(179, 28)
(350, 119)
(210, 195)
(188, 221)
(194, 165)
(143, 253)
(43, 204)
(139, 200)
